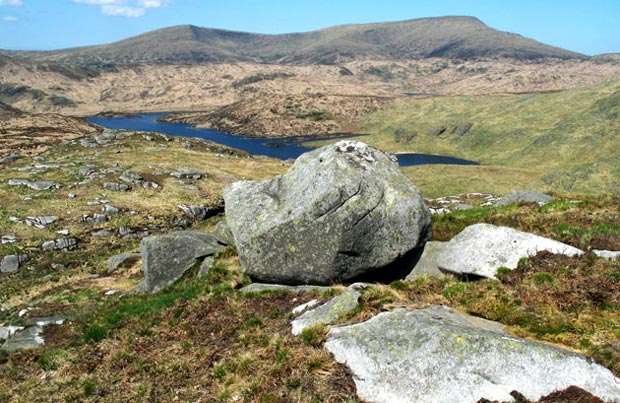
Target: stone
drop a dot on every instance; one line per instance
(62, 244)
(110, 210)
(303, 307)
(341, 211)
(12, 263)
(260, 287)
(6, 239)
(150, 185)
(43, 185)
(95, 219)
(206, 265)
(40, 222)
(524, 196)
(71, 195)
(18, 182)
(186, 173)
(427, 265)
(132, 177)
(607, 254)
(200, 213)
(117, 261)
(119, 187)
(7, 332)
(223, 234)
(102, 233)
(165, 258)
(481, 249)
(10, 158)
(329, 312)
(439, 355)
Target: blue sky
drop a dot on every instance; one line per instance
(586, 26)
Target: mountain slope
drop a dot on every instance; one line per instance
(449, 37)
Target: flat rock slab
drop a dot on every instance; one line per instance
(165, 258)
(481, 249)
(260, 287)
(437, 355)
(427, 265)
(329, 312)
(524, 196)
(607, 254)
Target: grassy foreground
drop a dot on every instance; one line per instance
(203, 341)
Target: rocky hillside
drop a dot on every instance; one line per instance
(447, 37)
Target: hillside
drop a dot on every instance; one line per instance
(447, 37)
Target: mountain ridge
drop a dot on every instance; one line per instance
(454, 37)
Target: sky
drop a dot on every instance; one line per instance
(586, 26)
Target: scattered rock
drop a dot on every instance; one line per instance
(339, 212)
(329, 312)
(40, 222)
(303, 307)
(119, 187)
(118, 260)
(95, 219)
(132, 177)
(165, 258)
(29, 337)
(524, 196)
(186, 173)
(71, 195)
(439, 355)
(102, 233)
(427, 265)
(110, 210)
(62, 244)
(6, 239)
(200, 213)
(18, 182)
(260, 287)
(43, 185)
(481, 249)
(607, 254)
(206, 265)
(12, 263)
(150, 185)
(10, 158)
(223, 234)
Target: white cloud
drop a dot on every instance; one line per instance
(123, 8)
(122, 11)
(10, 2)
(9, 18)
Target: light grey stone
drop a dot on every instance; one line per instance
(329, 312)
(524, 196)
(6, 239)
(339, 212)
(119, 187)
(12, 263)
(427, 265)
(110, 210)
(44, 185)
(10, 158)
(28, 338)
(260, 287)
(95, 219)
(186, 173)
(481, 249)
(223, 234)
(206, 265)
(200, 213)
(40, 222)
(102, 233)
(607, 254)
(132, 177)
(7, 332)
(165, 258)
(438, 355)
(63, 244)
(18, 182)
(117, 261)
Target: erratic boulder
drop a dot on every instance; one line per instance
(339, 212)
(481, 249)
(524, 196)
(439, 355)
(165, 258)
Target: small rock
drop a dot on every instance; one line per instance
(18, 182)
(63, 244)
(95, 219)
(223, 234)
(200, 213)
(310, 304)
(119, 187)
(150, 185)
(102, 233)
(607, 254)
(12, 263)
(6, 239)
(111, 292)
(118, 260)
(110, 210)
(10, 158)
(71, 195)
(148, 138)
(132, 177)
(26, 198)
(187, 174)
(40, 222)
(524, 196)
(206, 265)
(44, 185)
(329, 312)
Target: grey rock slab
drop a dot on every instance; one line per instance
(40, 222)
(12, 263)
(43, 185)
(607, 254)
(186, 173)
(260, 287)
(329, 312)
(427, 265)
(339, 212)
(6, 239)
(200, 213)
(165, 258)
(10, 158)
(481, 249)
(437, 355)
(24, 339)
(102, 233)
(524, 196)
(18, 182)
(223, 234)
(119, 187)
(110, 210)
(117, 261)
(63, 244)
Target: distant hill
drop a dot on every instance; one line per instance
(447, 37)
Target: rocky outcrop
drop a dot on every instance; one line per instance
(439, 355)
(165, 258)
(481, 249)
(524, 196)
(339, 212)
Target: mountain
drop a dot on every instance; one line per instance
(447, 37)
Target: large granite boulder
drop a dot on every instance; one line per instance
(165, 258)
(481, 249)
(439, 355)
(340, 211)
